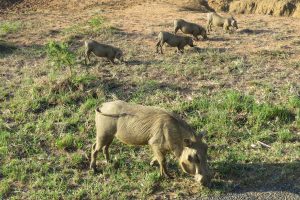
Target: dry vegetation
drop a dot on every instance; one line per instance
(241, 87)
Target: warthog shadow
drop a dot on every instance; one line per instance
(253, 31)
(257, 177)
(217, 39)
(6, 48)
(201, 50)
(141, 62)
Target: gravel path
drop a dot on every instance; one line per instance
(258, 195)
(285, 191)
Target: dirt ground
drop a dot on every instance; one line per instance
(141, 22)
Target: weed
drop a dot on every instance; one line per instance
(238, 66)
(9, 27)
(60, 56)
(67, 142)
(5, 188)
(275, 54)
(96, 22)
(285, 135)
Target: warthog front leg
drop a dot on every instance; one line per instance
(153, 162)
(159, 45)
(87, 55)
(195, 36)
(208, 27)
(176, 29)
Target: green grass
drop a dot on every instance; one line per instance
(60, 121)
(277, 54)
(94, 26)
(9, 27)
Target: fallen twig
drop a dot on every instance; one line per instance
(263, 144)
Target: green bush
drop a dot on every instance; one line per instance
(60, 56)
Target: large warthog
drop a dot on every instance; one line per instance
(217, 20)
(163, 131)
(189, 28)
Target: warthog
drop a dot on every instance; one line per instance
(102, 50)
(162, 130)
(217, 20)
(173, 40)
(189, 28)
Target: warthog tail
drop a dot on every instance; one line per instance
(111, 115)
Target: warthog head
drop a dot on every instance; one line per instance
(234, 23)
(119, 55)
(204, 34)
(190, 41)
(193, 160)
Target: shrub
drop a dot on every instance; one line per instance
(60, 56)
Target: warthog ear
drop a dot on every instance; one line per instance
(187, 142)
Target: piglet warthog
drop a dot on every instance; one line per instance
(217, 20)
(162, 130)
(102, 50)
(173, 40)
(189, 28)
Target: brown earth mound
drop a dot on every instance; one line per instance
(219, 5)
(199, 5)
(269, 7)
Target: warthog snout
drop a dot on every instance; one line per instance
(203, 180)
(234, 24)
(190, 42)
(193, 160)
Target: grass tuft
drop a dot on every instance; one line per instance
(67, 142)
(9, 27)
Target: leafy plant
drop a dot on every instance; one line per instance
(60, 56)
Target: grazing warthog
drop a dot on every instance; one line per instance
(189, 28)
(162, 130)
(102, 50)
(217, 20)
(173, 40)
